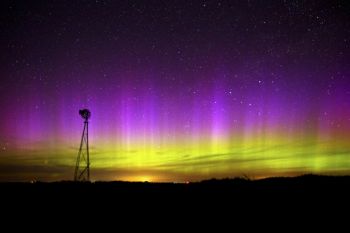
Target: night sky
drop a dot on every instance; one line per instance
(178, 90)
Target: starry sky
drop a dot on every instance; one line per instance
(179, 90)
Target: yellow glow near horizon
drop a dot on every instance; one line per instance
(189, 159)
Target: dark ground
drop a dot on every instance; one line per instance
(300, 198)
(307, 186)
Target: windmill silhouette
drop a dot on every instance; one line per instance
(82, 167)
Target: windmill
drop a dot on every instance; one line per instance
(82, 167)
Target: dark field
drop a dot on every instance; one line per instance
(307, 186)
(303, 197)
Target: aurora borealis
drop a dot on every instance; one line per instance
(178, 90)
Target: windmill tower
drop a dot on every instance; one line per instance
(82, 167)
